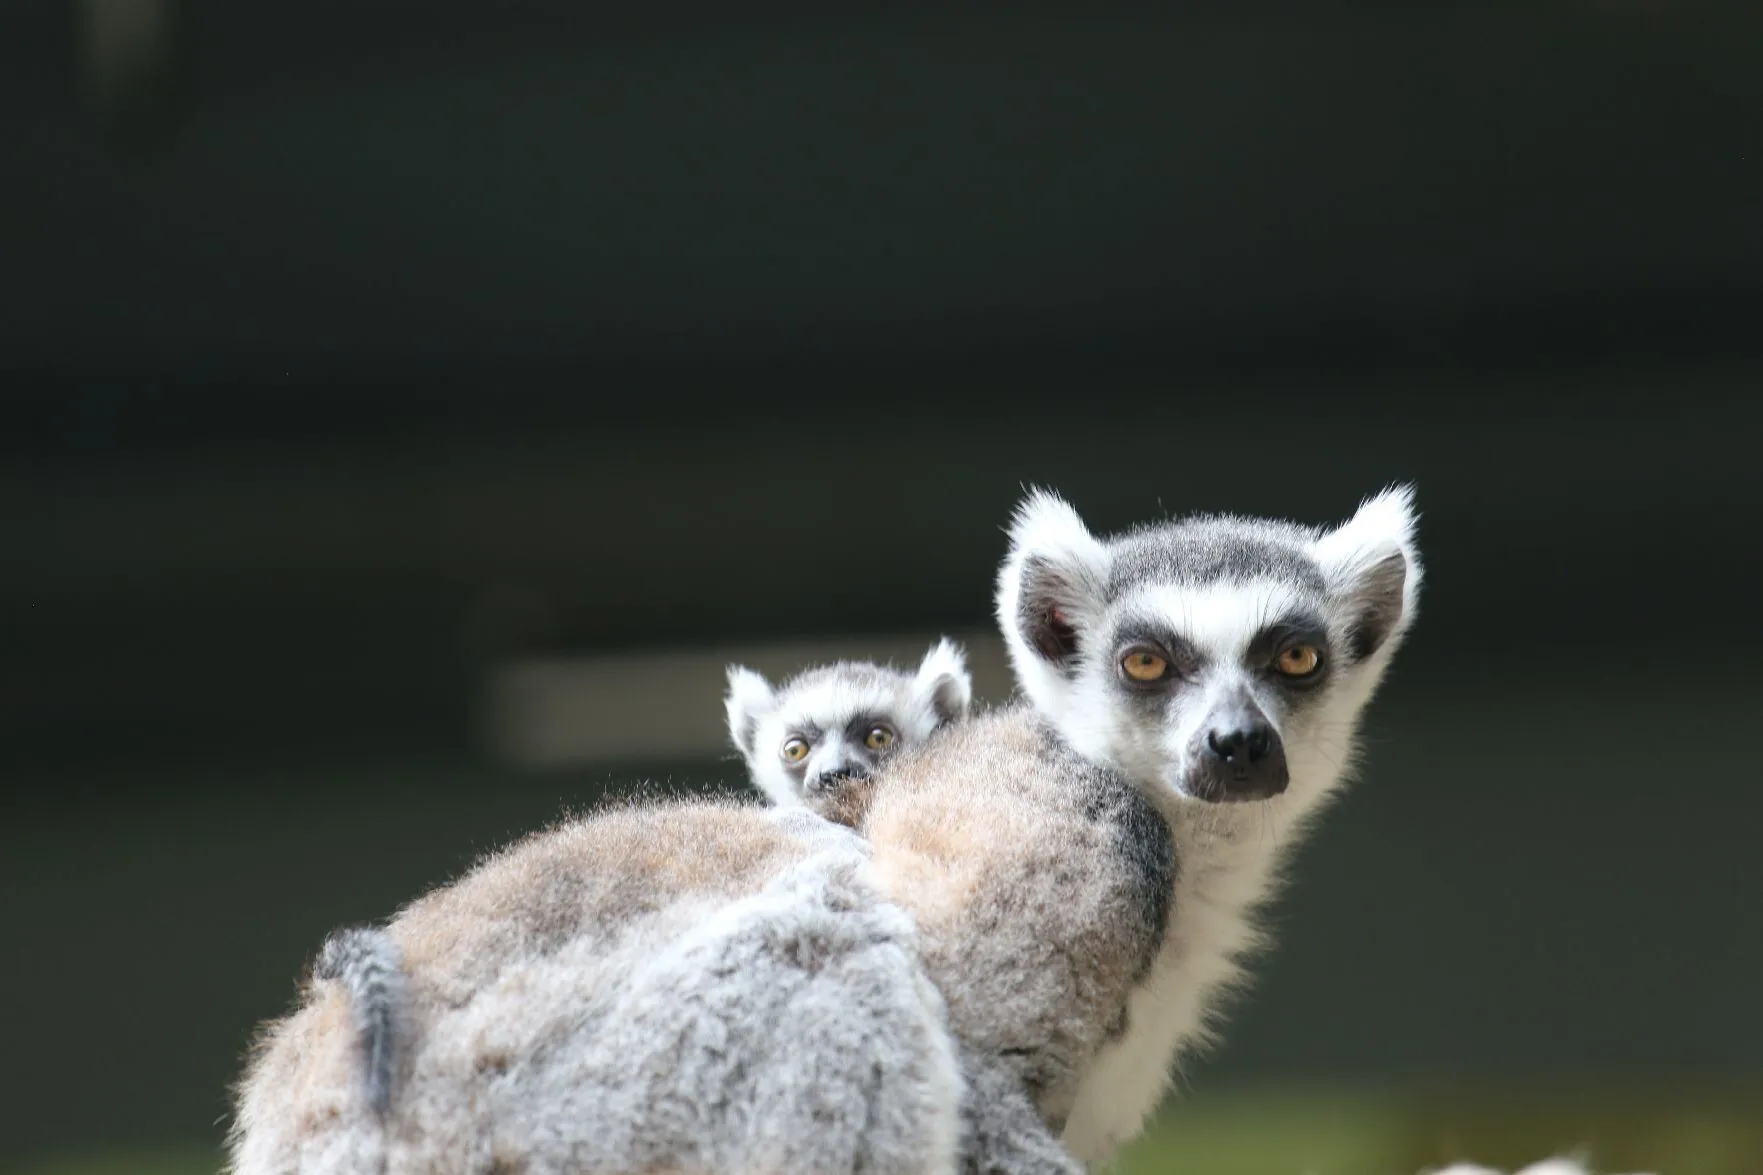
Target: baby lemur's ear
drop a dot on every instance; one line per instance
(943, 678)
(749, 699)
(1050, 586)
(1373, 568)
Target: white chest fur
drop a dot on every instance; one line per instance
(1227, 866)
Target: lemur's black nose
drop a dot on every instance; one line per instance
(1243, 745)
(1247, 760)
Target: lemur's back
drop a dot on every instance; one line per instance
(572, 1003)
(621, 876)
(1040, 883)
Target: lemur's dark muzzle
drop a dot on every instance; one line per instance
(838, 777)
(1242, 756)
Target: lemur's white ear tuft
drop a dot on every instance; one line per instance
(1383, 523)
(1046, 523)
(943, 676)
(1050, 583)
(749, 697)
(1371, 561)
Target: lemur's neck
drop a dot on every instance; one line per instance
(1227, 863)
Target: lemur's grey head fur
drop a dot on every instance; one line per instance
(834, 723)
(1214, 657)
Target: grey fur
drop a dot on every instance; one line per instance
(768, 1017)
(1003, 1132)
(1046, 895)
(368, 964)
(1211, 548)
(1065, 872)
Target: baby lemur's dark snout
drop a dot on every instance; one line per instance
(839, 777)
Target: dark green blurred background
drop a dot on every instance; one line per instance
(353, 354)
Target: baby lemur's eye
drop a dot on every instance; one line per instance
(1299, 661)
(1144, 666)
(879, 737)
(795, 750)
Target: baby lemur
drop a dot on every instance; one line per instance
(818, 738)
(1045, 904)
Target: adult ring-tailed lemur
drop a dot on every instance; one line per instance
(1039, 908)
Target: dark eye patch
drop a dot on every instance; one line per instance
(860, 726)
(1182, 656)
(1303, 628)
(1299, 628)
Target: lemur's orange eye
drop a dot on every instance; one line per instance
(795, 750)
(1144, 665)
(879, 738)
(1299, 661)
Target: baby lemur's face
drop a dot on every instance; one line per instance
(1220, 659)
(830, 726)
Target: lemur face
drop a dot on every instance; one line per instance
(831, 725)
(1214, 658)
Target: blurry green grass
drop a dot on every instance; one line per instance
(1681, 1131)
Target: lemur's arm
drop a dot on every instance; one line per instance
(1002, 1131)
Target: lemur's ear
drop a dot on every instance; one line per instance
(749, 698)
(1372, 565)
(1051, 583)
(943, 677)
